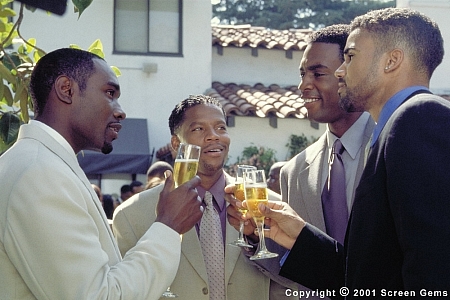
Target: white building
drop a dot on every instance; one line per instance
(170, 51)
(165, 53)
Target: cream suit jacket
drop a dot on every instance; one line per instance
(244, 280)
(55, 241)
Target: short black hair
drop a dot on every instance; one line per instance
(407, 29)
(158, 168)
(135, 183)
(334, 34)
(125, 189)
(177, 116)
(74, 63)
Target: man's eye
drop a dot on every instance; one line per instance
(318, 74)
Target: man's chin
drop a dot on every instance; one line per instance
(107, 148)
(211, 169)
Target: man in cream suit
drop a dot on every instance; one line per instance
(302, 179)
(198, 120)
(55, 240)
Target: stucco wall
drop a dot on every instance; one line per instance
(150, 96)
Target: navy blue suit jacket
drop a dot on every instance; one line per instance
(398, 237)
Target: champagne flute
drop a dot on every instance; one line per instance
(239, 195)
(255, 188)
(185, 168)
(186, 163)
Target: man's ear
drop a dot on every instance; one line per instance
(174, 142)
(394, 60)
(64, 89)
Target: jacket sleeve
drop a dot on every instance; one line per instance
(315, 261)
(54, 238)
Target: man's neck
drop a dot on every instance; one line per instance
(339, 127)
(208, 180)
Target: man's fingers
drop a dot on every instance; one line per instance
(194, 182)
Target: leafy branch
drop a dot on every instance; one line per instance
(16, 67)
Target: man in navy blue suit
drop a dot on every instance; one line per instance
(398, 237)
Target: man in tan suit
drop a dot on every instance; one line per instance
(198, 120)
(302, 179)
(55, 240)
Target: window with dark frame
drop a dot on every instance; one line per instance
(148, 27)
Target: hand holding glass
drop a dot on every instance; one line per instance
(240, 196)
(255, 188)
(185, 168)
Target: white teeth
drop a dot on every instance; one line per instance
(114, 129)
(311, 100)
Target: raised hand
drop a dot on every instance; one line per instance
(284, 223)
(179, 208)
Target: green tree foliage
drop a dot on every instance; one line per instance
(18, 56)
(260, 157)
(286, 14)
(297, 143)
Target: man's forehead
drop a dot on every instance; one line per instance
(318, 55)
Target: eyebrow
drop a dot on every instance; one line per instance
(115, 85)
(314, 67)
(348, 49)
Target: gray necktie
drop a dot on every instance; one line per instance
(334, 197)
(212, 248)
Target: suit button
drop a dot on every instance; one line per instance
(205, 291)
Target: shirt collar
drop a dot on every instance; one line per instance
(352, 138)
(390, 106)
(216, 190)
(54, 134)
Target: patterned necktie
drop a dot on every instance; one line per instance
(334, 197)
(213, 250)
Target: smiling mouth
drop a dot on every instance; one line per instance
(310, 100)
(115, 128)
(213, 151)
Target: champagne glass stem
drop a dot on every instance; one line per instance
(262, 242)
(241, 230)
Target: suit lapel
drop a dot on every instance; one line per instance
(68, 158)
(192, 250)
(309, 180)
(231, 252)
(368, 130)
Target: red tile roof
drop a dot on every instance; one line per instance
(259, 37)
(259, 100)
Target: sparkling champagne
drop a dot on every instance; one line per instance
(254, 196)
(184, 170)
(239, 195)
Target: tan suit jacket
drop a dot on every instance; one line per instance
(243, 279)
(55, 240)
